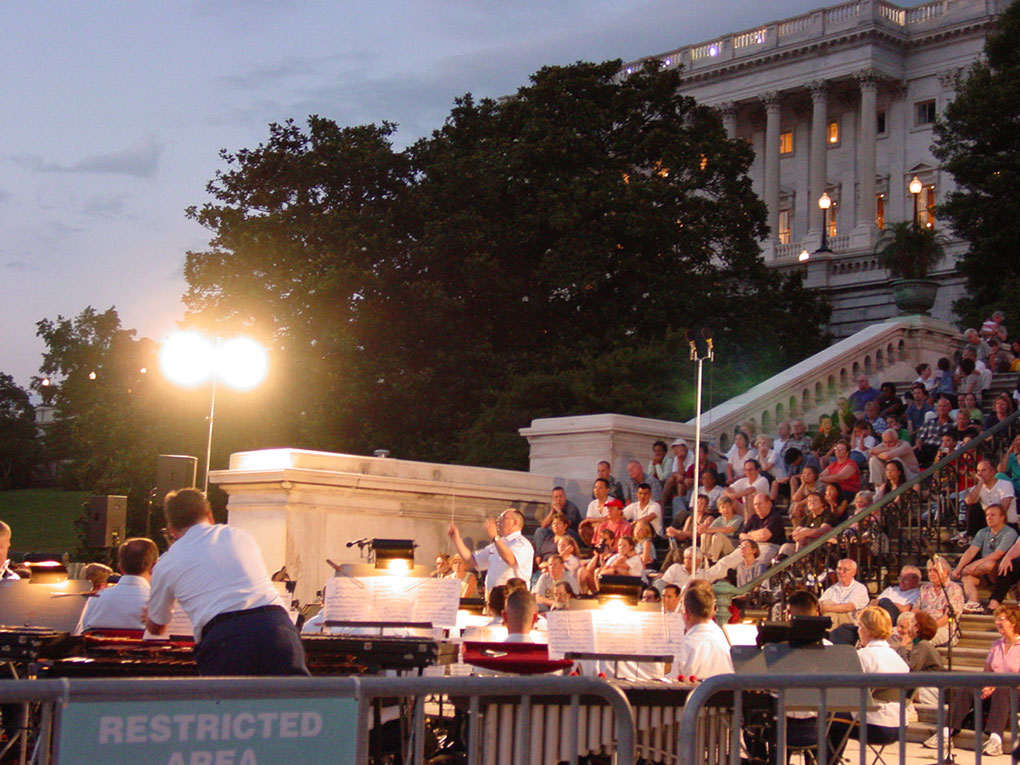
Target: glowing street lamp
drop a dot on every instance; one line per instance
(824, 203)
(188, 359)
(915, 187)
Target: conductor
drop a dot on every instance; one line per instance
(217, 575)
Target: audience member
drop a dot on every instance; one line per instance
(604, 470)
(846, 597)
(5, 548)
(737, 457)
(928, 437)
(635, 479)
(765, 526)
(544, 588)
(557, 504)
(660, 466)
(903, 597)
(644, 508)
(892, 448)
(864, 393)
(979, 563)
(752, 482)
(941, 598)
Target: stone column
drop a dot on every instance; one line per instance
(819, 124)
(728, 112)
(772, 105)
(865, 228)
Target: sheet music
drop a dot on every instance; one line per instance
(570, 632)
(180, 626)
(392, 599)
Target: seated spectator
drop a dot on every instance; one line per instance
(864, 393)
(1002, 408)
(570, 551)
(636, 478)
(843, 600)
(644, 543)
(705, 518)
(1009, 465)
(753, 482)
(563, 593)
(945, 383)
(994, 327)
(809, 484)
(122, 606)
(596, 509)
(544, 589)
(836, 502)
(989, 490)
(766, 527)
(979, 564)
(817, 521)
(705, 651)
(557, 504)
(926, 377)
(903, 597)
(644, 508)
(874, 417)
(964, 427)
(916, 649)
(1000, 359)
(861, 441)
(876, 656)
(671, 599)
(750, 566)
(650, 595)
(679, 573)
(928, 437)
(889, 404)
(892, 449)
(969, 403)
(675, 487)
(974, 345)
(894, 423)
(1003, 658)
(660, 466)
(468, 579)
(737, 457)
(941, 597)
(968, 379)
(614, 521)
(825, 438)
(721, 535)
(551, 541)
(842, 471)
(710, 488)
(800, 440)
(766, 457)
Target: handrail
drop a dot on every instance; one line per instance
(872, 509)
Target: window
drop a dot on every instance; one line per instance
(786, 142)
(924, 113)
(830, 219)
(880, 211)
(926, 206)
(784, 226)
(832, 133)
(880, 120)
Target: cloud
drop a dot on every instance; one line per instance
(140, 161)
(4, 196)
(19, 265)
(106, 206)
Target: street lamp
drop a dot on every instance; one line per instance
(706, 333)
(824, 203)
(915, 188)
(189, 359)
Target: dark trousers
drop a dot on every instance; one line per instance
(843, 729)
(994, 710)
(1002, 584)
(262, 641)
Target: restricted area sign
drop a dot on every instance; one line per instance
(209, 732)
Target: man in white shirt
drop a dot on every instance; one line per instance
(509, 555)
(217, 575)
(121, 607)
(520, 613)
(846, 597)
(743, 489)
(705, 651)
(5, 548)
(670, 599)
(990, 490)
(545, 588)
(644, 509)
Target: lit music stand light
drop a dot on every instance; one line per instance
(396, 555)
(622, 589)
(47, 572)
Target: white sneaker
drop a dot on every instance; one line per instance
(932, 742)
(911, 714)
(992, 747)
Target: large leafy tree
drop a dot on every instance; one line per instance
(18, 445)
(978, 142)
(535, 255)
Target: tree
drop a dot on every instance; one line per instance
(18, 447)
(910, 251)
(978, 143)
(561, 237)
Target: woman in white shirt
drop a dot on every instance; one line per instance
(626, 562)
(876, 656)
(738, 454)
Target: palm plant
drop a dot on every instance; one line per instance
(910, 251)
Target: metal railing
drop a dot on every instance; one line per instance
(48, 697)
(904, 525)
(828, 686)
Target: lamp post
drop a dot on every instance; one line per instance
(706, 333)
(915, 188)
(824, 203)
(189, 359)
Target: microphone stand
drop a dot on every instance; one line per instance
(954, 631)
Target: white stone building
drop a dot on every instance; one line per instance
(842, 100)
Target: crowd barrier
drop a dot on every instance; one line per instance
(245, 721)
(826, 694)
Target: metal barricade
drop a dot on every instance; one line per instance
(523, 726)
(832, 692)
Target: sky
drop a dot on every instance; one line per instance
(114, 114)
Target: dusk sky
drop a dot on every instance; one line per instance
(114, 114)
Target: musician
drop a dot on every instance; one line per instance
(5, 548)
(217, 574)
(509, 555)
(520, 614)
(121, 606)
(705, 651)
(670, 599)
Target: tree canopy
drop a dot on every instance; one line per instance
(17, 434)
(978, 141)
(536, 255)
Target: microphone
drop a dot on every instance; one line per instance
(359, 542)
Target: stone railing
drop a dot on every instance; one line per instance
(826, 21)
(889, 350)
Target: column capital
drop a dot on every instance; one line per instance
(772, 100)
(949, 79)
(819, 90)
(868, 79)
(727, 109)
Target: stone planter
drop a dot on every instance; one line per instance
(914, 296)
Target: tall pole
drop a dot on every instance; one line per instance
(208, 443)
(697, 465)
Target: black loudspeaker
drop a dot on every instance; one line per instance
(174, 471)
(107, 520)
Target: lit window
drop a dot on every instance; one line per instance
(786, 142)
(926, 206)
(784, 226)
(880, 123)
(830, 220)
(924, 113)
(880, 211)
(832, 133)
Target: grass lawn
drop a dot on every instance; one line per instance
(42, 520)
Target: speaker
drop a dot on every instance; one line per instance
(174, 471)
(107, 520)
